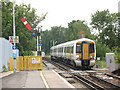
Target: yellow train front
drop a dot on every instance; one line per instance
(85, 53)
(79, 53)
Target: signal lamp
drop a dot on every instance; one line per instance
(33, 33)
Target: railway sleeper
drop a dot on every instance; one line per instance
(88, 83)
(106, 82)
(112, 76)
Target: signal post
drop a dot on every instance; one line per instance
(39, 41)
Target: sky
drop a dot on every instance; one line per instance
(61, 12)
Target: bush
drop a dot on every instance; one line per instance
(116, 51)
(4, 68)
(101, 50)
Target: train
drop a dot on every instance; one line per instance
(78, 53)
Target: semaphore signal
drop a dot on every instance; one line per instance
(26, 23)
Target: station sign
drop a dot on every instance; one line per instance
(40, 44)
(35, 61)
(14, 40)
(14, 47)
(14, 54)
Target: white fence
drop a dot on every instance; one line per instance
(5, 52)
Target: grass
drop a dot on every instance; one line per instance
(101, 64)
(47, 56)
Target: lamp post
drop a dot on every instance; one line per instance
(14, 58)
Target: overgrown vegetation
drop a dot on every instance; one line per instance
(4, 68)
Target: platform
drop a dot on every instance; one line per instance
(55, 80)
(35, 79)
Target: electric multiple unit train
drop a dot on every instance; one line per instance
(79, 53)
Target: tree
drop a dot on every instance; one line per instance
(101, 50)
(74, 28)
(108, 31)
(105, 23)
(27, 40)
(56, 35)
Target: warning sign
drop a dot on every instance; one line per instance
(12, 40)
(16, 40)
(34, 60)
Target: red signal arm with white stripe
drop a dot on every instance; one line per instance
(26, 23)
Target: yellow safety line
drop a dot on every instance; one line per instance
(46, 85)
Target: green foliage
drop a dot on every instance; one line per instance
(101, 50)
(74, 28)
(54, 36)
(108, 33)
(116, 51)
(101, 64)
(27, 42)
(59, 34)
(106, 24)
(4, 68)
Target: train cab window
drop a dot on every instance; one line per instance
(78, 48)
(91, 48)
(72, 49)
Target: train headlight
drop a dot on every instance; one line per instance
(92, 56)
(77, 56)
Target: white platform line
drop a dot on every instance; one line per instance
(71, 86)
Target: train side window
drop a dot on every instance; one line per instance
(55, 50)
(58, 50)
(78, 48)
(68, 49)
(52, 50)
(62, 49)
(91, 48)
(65, 49)
(72, 49)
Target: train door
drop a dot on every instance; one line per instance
(85, 54)
(85, 51)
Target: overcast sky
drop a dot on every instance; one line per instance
(61, 12)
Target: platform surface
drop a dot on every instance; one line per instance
(54, 80)
(34, 79)
(16, 80)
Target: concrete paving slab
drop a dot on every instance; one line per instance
(0, 83)
(54, 81)
(16, 80)
(5, 74)
(34, 80)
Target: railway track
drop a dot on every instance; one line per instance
(110, 84)
(90, 80)
(114, 76)
(85, 81)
